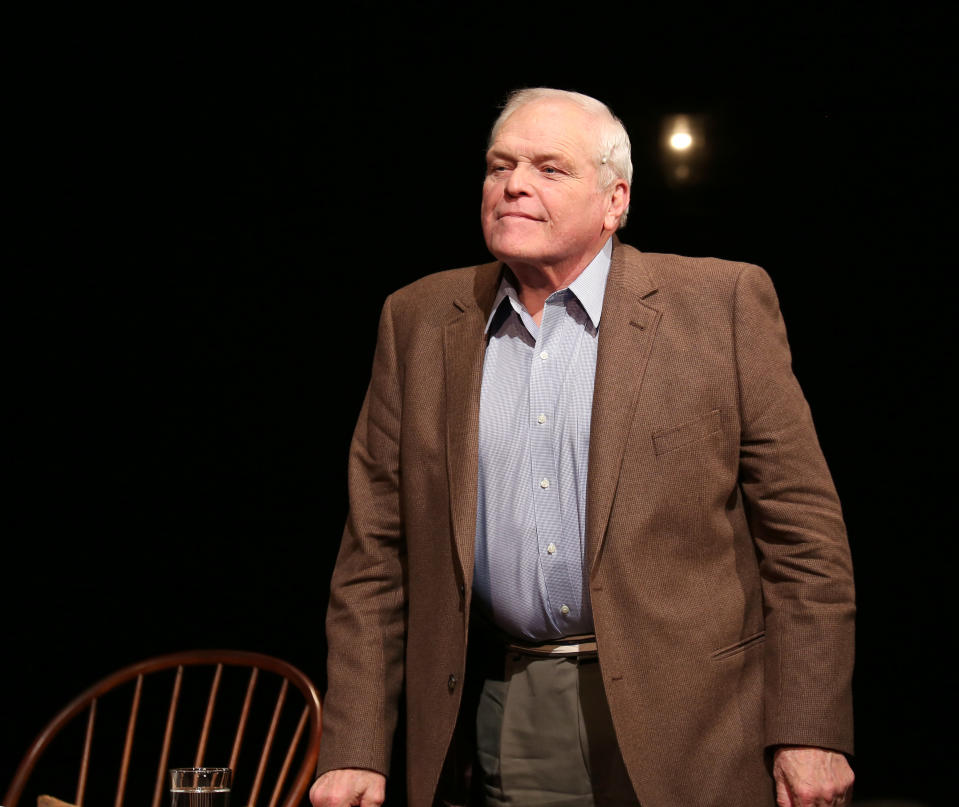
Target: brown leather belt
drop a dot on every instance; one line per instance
(582, 645)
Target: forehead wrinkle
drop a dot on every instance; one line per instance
(533, 152)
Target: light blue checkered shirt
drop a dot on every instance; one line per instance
(535, 409)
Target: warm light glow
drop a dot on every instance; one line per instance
(683, 149)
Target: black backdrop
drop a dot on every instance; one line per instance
(205, 214)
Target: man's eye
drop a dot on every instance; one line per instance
(549, 169)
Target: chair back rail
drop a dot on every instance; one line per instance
(308, 723)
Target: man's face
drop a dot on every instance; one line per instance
(542, 205)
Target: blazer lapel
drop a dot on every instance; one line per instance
(630, 320)
(464, 346)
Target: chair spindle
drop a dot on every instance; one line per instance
(128, 744)
(291, 751)
(268, 744)
(208, 718)
(241, 725)
(159, 788)
(85, 760)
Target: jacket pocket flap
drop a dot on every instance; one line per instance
(740, 646)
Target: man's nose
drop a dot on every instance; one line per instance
(518, 182)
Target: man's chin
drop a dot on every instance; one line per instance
(515, 256)
(514, 249)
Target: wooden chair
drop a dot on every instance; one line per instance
(217, 708)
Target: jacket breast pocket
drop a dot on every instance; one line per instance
(666, 440)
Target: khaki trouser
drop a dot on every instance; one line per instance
(545, 737)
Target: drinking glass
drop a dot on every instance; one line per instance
(200, 787)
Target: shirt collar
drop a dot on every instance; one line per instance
(589, 287)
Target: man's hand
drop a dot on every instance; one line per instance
(811, 777)
(349, 787)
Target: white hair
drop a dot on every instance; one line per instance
(613, 160)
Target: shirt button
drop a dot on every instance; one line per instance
(564, 610)
(541, 419)
(544, 355)
(544, 483)
(551, 549)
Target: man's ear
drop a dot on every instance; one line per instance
(618, 203)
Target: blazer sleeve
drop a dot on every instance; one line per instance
(365, 623)
(797, 526)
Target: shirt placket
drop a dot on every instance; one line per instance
(547, 372)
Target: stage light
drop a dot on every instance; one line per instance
(683, 149)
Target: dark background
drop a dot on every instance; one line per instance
(204, 215)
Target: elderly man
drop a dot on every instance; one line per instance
(592, 536)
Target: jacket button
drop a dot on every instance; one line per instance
(451, 683)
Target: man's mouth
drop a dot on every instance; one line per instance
(515, 214)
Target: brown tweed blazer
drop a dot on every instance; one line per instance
(719, 570)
